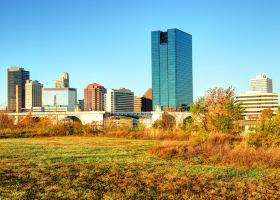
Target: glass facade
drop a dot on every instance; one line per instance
(172, 80)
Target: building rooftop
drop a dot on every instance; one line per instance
(261, 76)
(13, 68)
(59, 89)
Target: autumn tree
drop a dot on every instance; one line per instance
(217, 111)
(267, 131)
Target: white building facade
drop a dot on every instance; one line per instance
(255, 102)
(59, 99)
(259, 97)
(261, 84)
(33, 94)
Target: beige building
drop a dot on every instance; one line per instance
(138, 101)
(63, 81)
(33, 94)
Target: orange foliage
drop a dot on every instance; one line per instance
(224, 149)
(5, 122)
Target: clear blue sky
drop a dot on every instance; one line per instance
(108, 41)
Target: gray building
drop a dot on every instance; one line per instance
(16, 79)
(172, 79)
(119, 100)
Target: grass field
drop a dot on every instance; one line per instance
(114, 168)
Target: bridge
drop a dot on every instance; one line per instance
(98, 117)
(135, 115)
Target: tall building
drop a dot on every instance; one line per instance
(16, 78)
(172, 80)
(63, 81)
(33, 94)
(94, 97)
(261, 84)
(59, 99)
(119, 100)
(259, 97)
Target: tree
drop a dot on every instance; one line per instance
(217, 111)
(267, 131)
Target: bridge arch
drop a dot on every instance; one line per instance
(72, 119)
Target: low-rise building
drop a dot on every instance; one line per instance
(255, 102)
(57, 99)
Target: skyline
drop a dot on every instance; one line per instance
(50, 38)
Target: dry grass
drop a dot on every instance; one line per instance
(158, 134)
(116, 168)
(222, 149)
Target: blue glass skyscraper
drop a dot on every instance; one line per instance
(172, 80)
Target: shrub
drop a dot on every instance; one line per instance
(28, 122)
(5, 121)
(267, 131)
(166, 122)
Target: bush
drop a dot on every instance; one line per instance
(166, 122)
(5, 122)
(263, 139)
(267, 131)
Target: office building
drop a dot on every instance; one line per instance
(255, 102)
(59, 99)
(147, 101)
(33, 94)
(138, 104)
(172, 80)
(63, 81)
(119, 100)
(261, 84)
(144, 103)
(16, 78)
(81, 104)
(94, 97)
(259, 97)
